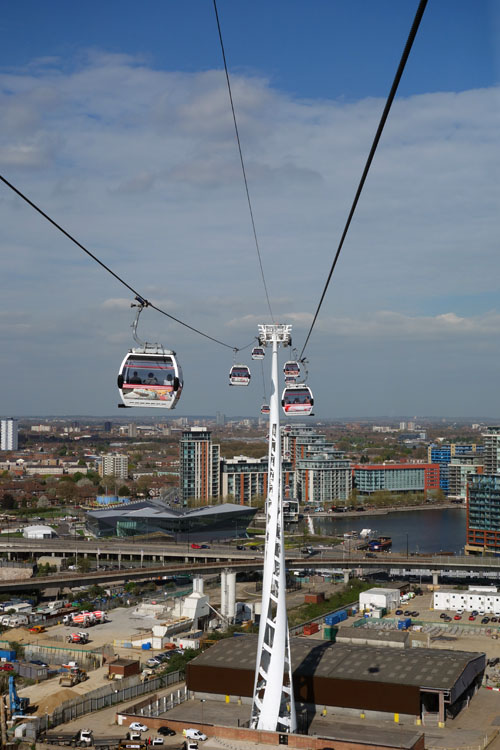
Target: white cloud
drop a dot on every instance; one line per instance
(142, 167)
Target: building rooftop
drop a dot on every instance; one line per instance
(435, 669)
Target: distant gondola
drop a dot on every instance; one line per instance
(264, 409)
(291, 370)
(258, 352)
(239, 375)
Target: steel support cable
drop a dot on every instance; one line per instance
(378, 134)
(242, 161)
(109, 270)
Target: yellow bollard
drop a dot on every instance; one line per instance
(362, 715)
(227, 698)
(396, 718)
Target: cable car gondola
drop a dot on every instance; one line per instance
(258, 352)
(239, 375)
(264, 409)
(291, 370)
(297, 400)
(150, 376)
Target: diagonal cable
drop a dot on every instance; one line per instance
(378, 134)
(109, 270)
(242, 162)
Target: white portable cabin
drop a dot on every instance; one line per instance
(379, 598)
(488, 602)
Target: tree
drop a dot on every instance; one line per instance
(83, 565)
(123, 491)
(8, 501)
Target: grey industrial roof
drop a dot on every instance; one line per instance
(372, 634)
(437, 669)
(146, 510)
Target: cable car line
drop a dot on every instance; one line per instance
(109, 270)
(378, 134)
(242, 161)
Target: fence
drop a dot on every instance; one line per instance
(158, 706)
(109, 695)
(56, 655)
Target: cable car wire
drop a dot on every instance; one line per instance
(117, 277)
(242, 161)
(378, 134)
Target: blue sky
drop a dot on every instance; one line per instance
(115, 118)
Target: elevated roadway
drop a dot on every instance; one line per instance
(213, 561)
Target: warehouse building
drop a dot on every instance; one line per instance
(375, 680)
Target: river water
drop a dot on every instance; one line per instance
(436, 530)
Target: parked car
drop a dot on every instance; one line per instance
(6, 667)
(415, 614)
(194, 734)
(494, 619)
(196, 546)
(457, 617)
(485, 620)
(39, 663)
(153, 662)
(166, 731)
(400, 612)
(407, 613)
(472, 618)
(240, 546)
(136, 726)
(205, 546)
(443, 615)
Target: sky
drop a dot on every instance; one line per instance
(115, 119)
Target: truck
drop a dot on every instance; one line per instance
(73, 677)
(83, 738)
(78, 638)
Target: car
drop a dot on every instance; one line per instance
(196, 546)
(474, 612)
(443, 615)
(485, 620)
(240, 546)
(399, 611)
(457, 617)
(447, 618)
(472, 618)
(194, 734)
(204, 546)
(166, 731)
(415, 614)
(136, 726)
(157, 741)
(6, 667)
(153, 662)
(39, 663)
(407, 613)
(494, 619)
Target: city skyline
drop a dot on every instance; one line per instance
(121, 130)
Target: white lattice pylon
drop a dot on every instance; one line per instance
(273, 705)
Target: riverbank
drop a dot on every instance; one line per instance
(387, 509)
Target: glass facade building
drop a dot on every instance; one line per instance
(483, 514)
(400, 478)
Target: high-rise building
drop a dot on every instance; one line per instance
(132, 430)
(199, 465)
(107, 426)
(113, 464)
(483, 514)
(322, 474)
(8, 434)
(444, 453)
(491, 450)
(245, 478)
(220, 419)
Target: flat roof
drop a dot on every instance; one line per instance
(437, 669)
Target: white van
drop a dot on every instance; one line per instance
(194, 734)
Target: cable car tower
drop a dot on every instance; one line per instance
(273, 706)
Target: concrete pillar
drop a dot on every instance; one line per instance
(441, 710)
(435, 577)
(347, 573)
